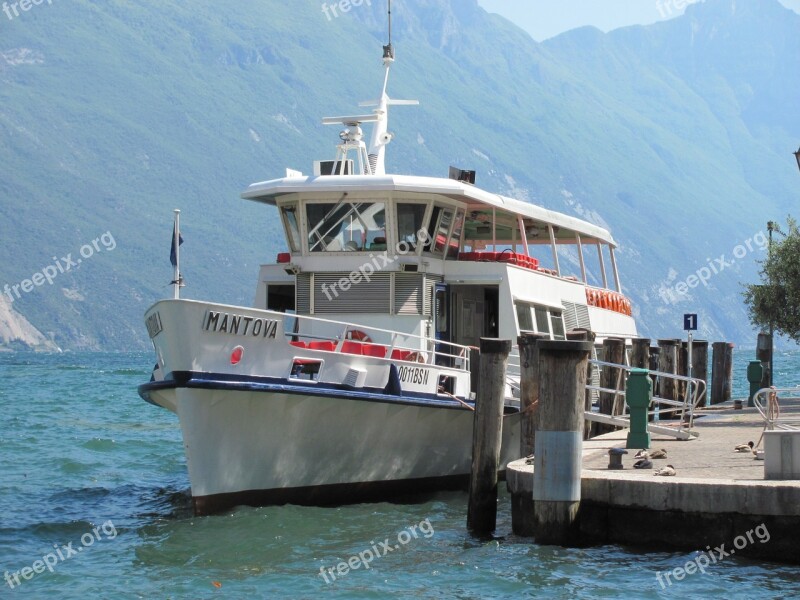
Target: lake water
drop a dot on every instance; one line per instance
(94, 480)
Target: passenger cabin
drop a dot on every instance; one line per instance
(438, 258)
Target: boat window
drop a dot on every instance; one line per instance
(280, 297)
(524, 316)
(289, 216)
(455, 239)
(547, 321)
(439, 230)
(557, 320)
(346, 226)
(542, 320)
(410, 223)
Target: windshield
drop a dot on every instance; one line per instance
(346, 226)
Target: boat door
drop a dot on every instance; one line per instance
(441, 318)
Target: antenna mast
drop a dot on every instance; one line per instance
(388, 51)
(352, 136)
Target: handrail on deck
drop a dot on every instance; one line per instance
(429, 347)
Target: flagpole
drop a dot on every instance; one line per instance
(176, 232)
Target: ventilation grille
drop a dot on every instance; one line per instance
(576, 316)
(430, 290)
(408, 293)
(355, 378)
(595, 378)
(364, 297)
(303, 293)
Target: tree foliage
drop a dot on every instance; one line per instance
(776, 299)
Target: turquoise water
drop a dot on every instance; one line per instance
(85, 461)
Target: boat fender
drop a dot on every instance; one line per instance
(358, 336)
(393, 385)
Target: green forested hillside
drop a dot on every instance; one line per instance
(677, 136)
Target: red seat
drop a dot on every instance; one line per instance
(322, 345)
(375, 350)
(511, 257)
(349, 347)
(299, 344)
(398, 354)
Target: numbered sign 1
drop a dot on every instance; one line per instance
(690, 322)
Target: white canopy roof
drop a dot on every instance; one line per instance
(269, 191)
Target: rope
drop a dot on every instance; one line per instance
(528, 409)
(456, 398)
(773, 413)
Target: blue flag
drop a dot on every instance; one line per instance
(173, 255)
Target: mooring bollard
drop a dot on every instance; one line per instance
(721, 372)
(529, 390)
(755, 375)
(639, 395)
(700, 367)
(764, 354)
(487, 435)
(668, 363)
(559, 441)
(474, 369)
(521, 504)
(640, 353)
(582, 334)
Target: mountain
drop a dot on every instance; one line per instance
(677, 136)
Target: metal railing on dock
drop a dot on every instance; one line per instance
(779, 407)
(682, 409)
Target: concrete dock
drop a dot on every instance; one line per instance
(717, 496)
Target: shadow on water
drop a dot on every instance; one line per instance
(132, 505)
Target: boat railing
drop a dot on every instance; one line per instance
(316, 333)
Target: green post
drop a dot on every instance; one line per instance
(755, 372)
(639, 395)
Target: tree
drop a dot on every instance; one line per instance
(776, 300)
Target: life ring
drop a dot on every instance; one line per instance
(357, 336)
(417, 357)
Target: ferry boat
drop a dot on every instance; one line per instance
(351, 378)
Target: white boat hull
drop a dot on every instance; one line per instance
(257, 448)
